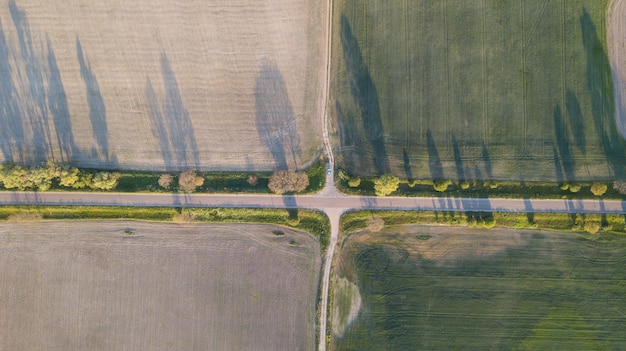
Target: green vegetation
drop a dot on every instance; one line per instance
(358, 220)
(50, 175)
(64, 177)
(467, 90)
(386, 184)
(501, 189)
(434, 289)
(310, 221)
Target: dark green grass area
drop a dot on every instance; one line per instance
(485, 89)
(545, 291)
(310, 221)
(613, 223)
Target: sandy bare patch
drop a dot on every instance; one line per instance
(213, 85)
(616, 42)
(443, 244)
(89, 286)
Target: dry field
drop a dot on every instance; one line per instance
(162, 85)
(87, 286)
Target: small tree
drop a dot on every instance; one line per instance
(188, 181)
(104, 181)
(598, 189)
(354, 182)
(441, 185)
(620, 186)
(386, 184)
(285, 181)
(465, 185)
(165, 180)
(591, 227)
(299, 181)
(574, 188)
(253, 180)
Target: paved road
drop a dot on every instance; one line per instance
(326, 203)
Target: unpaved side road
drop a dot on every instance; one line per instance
(616, 42)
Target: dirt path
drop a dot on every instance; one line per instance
(616, 38)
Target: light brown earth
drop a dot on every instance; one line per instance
(154, 85)
(87, 286)
(616, 42)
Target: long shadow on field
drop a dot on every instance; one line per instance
(366, 96)
(33, 84)
(407, 165)
(487, 161)
(97, 108)
(434, 162)
(11, 129)
(458, 161)
(600, 84)
(567, 162)
(170, 123)
(57, 105)
(275, 118)
(577, 121)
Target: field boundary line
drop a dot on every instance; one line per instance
(524, 92)
(445, 36)
(536, 24)
(407, 78)
(485, 80)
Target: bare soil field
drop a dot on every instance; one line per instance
(485, 89)
(456, 288)
(85, 285)
(162, 85)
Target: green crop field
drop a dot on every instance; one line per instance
(485, 89)
(445, 288)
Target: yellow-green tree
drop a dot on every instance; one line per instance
(386, 184)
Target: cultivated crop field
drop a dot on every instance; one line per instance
(85, 285)
(448, 288)
(484, 89)
(162, 85)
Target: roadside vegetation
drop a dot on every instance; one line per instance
(389, 184)
(51, 176)
(591, 223)
(310, 221)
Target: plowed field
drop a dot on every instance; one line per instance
(162, 85)
(85, 285)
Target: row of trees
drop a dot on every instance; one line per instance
(44, 176)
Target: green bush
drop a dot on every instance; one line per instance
(598, 189)
(574, 188)
(465, 185)
(386, 184)
(564, 186)
(441, 185)
(354, 182)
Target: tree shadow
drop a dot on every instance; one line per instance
(458, 161)
(366, 96)
(407, 165)
(562, 142)
(434, 162)
(487, 161)
(57, 105)
(97, 108)
(558, 169)
(577, 121)
(170, 123)
(275, 118)
(600, 84)
(34, 84)
(11, 128)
